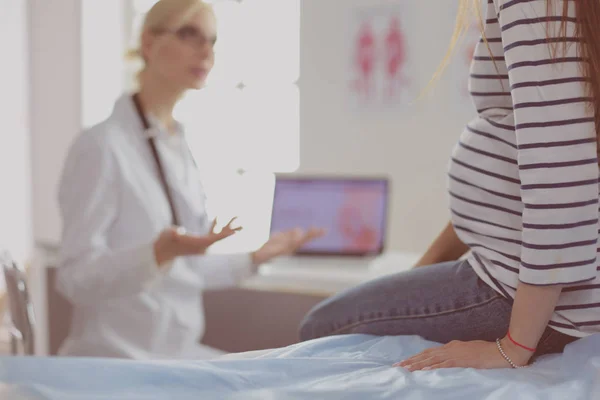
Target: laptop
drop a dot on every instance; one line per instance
(353, 212)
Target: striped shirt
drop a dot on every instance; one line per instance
(523, 180)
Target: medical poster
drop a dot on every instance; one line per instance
(379, 58)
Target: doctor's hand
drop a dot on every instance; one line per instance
(176, 242)
(285, 243)
(226, 231)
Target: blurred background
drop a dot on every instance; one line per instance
(286, 95)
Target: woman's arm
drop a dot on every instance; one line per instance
(558, 171)
(557, 144)
(558, 164)
(90, 271)
(532, 309)
(446, 247)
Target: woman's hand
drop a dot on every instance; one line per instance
(226, 231)
(474, 354)
(285, 243)
(176, 242)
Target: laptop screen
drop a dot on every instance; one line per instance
(353, 213)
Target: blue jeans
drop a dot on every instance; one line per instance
(440, 303)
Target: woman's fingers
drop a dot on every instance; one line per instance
(315, 233)
(229, 227)
(230, 222)
(303, 237)
(225, 233)
(434, 359)
(471, 354)
(227, 230)
(176, 241)
(443, 365)
(424, 355)
(306, 238)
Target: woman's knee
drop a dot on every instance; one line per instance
(319, 321)
(307, 330)
(338, 314)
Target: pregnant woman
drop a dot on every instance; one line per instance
(523, 184)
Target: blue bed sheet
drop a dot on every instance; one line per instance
(353, 367)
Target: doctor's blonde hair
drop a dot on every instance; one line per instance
(164, 13)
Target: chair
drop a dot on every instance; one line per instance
(22, 318)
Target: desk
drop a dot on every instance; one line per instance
(325, 281)
(263, 313)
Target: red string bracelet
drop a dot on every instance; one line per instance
(519, 344)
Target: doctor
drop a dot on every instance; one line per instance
(135, 228)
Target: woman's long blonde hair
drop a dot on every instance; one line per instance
(587, 16)
(466, 10)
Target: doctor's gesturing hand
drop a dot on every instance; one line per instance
(285, 243)
(176, 242)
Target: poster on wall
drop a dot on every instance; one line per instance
(380, 69)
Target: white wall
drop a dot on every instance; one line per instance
(412, 144)
(102, 54)
(15, 177)
(55, 102)
(76, 53)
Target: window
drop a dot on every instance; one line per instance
(247, 118)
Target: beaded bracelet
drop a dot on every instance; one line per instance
(506, 357)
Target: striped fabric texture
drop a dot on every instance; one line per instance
(523, 180)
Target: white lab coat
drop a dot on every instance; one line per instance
(113, 208)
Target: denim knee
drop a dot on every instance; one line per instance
(314, 323)
(308, 329)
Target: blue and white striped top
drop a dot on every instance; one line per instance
(523, 180)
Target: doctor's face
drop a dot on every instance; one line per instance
(183, 55)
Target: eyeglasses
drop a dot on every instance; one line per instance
(191, 36)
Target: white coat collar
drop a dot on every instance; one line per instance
(124, 110)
